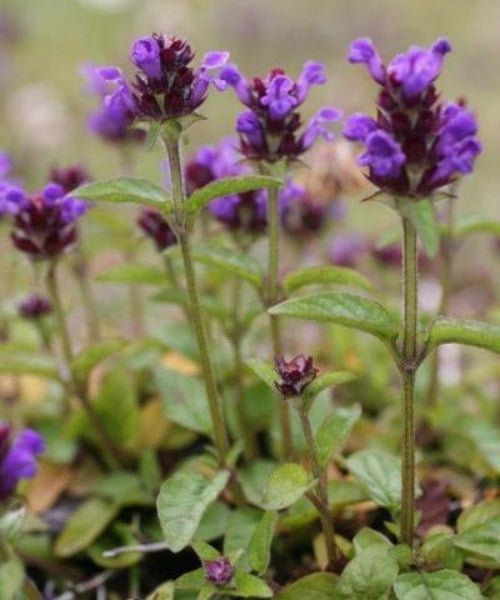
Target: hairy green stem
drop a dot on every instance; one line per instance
(172, 143)
(70, 381)
(273, 297)
(410, 278)
(321, 489)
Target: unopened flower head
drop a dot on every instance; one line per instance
(45, 222)
(270, 127)
(69, 178)
(417, 143)
(302, 215)
(155, 226)
(295, 375)
(219, 571)
(18, 457)
(35, 307)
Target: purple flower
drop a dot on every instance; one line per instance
(383, 155)
(146, 56)
(35, 307)
(154, 225)
(295, 375)
(17, 457)
(301, 214)
(269, 128)
(219, 571)
(45, 222)
(346, 249)
(416, 144)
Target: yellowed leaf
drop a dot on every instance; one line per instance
(48, 484)
(179, 363)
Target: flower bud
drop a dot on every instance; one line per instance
(219, 571)
(295, 374)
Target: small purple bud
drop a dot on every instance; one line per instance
(296, 374)
(219, 571)
(34, 307)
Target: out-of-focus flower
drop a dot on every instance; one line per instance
(45, 222)
(155, 226)
(301, 214)
(346, 249)
(34, 307)
(219, 571)
(269, 127)
(391, 255)
(18, 457)
(69, 178)
(295, 374)
(417, 143)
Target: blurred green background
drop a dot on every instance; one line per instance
(44, 42)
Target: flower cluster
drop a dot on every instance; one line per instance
(295, 374)
(45, 222)
(35, 307)
(269, 127)
(155, 226)
(219, 571)
(246, 212)
(417, 143)
(17, 457)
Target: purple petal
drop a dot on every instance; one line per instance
(358, 126)
(363, 51)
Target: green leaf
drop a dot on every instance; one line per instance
(152, 135)
(259, 550)
(439, 585)
(248, 586)
(380, 473)
(369, 575)
(334, 431)
(133, 273)
(342, 308)
(137, 191)
(179, 296)
(460, 331)
(118, 407)
(324, 275)
(423, 217)
(486, 438)
(367, 538)
(325, 381)
(478, 514)
(469, 224)
(205, 551)
(229, 260)
(285, 486)
(225, 187)
(124, 489)
(27, 363)
(264, 370)
(482, 540)
(213, 523)
(253, 479)
(84, 526)
(11, 579)
(120, 535)
(184, 400)
(182, 501)
(240, 528)
(83, 363)
(318, 586)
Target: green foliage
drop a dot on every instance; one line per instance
(334, 431)
(128, 273)
(482, 541)
(182, 501)
(225, 187)
(285, 486)
(136, 191)
(259, 549)
(11, 578)
(424, 220)
(83, 363)
(318, 586)
(445, 585)
(324, 275)
(345, 309)
(444, 330)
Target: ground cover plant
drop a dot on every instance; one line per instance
(263, 409)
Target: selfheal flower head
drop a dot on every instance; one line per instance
(416, 143)
(34, 307)
(155, 226)
(70, 177)
(166, 85)
(219, 571)
(17, 457)
(301, 214)
(295, 374)
(45, 222)
(269, 127)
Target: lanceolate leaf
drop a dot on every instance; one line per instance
(325, 381)
(324, 275)
(83, 363)
(182, 500)
(459, 331)
(342, 308)
(334, 431)
(469, 224)
(228, 260)
(259, 550)
(318, 586)
(482, 540)
(439, 584)
(133, 273)
(264, 370)
(423, 217)
(227, 187)
(136, 191)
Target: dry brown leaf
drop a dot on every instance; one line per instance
(48, 484)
